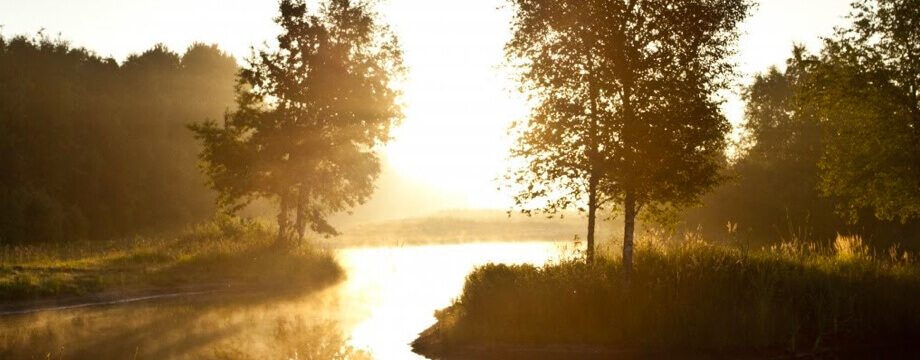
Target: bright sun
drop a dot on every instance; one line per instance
(458, 99)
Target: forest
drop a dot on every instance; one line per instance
(93, 149)
(792, 180)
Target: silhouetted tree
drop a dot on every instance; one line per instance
(311, 116)
(626, 111)
(866, 89)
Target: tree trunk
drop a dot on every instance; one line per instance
(592, 215)
(629, 208)
(283, 222)
(593, 158)
(629, 201)
(300, 222)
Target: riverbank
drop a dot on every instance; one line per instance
(387, 297)
(687, 298)
(213, 256)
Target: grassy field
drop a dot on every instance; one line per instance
(218, 253)
(690, 297)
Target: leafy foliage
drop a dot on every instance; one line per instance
(866, 88)
(311, 116)
(835, 132)
(625, 106)
(773, 193)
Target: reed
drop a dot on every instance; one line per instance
(691, 296)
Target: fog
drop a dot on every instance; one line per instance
(389, 296)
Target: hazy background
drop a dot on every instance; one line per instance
(444, 156)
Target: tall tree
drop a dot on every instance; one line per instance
(311, 116)
(866, 89)
(626, 111)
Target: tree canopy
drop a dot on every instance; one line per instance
(836, 132)
(866, 88)
(772, 193)
(311, 116)
(626, 111)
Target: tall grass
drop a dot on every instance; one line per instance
(691, 296)
(222, 251)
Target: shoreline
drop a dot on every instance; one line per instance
(117, 298)
(205, 258)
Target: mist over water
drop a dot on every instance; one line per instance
(389, 296)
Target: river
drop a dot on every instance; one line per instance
(389, 296)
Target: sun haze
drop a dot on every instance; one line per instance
(459, 100)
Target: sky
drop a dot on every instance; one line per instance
(459, 100)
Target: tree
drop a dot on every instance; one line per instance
(773, 192)
(625, 111)
(311, 116)
(866, 90)
(778, 130)
(776, 188)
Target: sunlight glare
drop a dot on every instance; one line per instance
(458, 98)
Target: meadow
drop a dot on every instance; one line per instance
(219, 254)
(690, 297)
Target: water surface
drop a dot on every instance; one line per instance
(399, 288)
(389, 296)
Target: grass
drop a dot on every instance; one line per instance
(690, 297)
(220, 252)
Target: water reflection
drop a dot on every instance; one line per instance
(239, 327)
(388, 298)
(401, 288)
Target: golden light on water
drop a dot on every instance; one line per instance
(389, 296)
(395, 291)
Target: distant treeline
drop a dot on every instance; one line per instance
(90, 148)
(820, 155)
